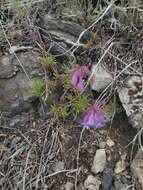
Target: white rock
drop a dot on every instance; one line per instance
(68, 186)
(130, 95)
(99, 162)
(137, 169)
(101, 78)
(92, 183)
(102, 144)
(120, 166)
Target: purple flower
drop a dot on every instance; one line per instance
(78, 74)
(89, 118)
(94, 117)
(100, 118)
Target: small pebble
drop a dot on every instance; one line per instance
(102, 144)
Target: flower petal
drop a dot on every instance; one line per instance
(100, 118)
(75, 78)
(80, 85)
(89, 119)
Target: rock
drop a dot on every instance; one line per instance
(109, 142)
(102, 144)
(137, 169)
(7, 70)
(107, 179)
(92, 183)
(118, 184)
(65, 30)
(99, 162)
(68, 186)
(16, 94)
(64, 33)
(120, 166)
(18, 120)
(58, 166)
(131, 97)
(81, 187)
(101, 78)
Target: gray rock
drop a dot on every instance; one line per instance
(63, 29)
(18, 120)
(7, 70)
(92, 183)
(64, 34)
(137, 169)
(16, 93)
(99, 162)
(131, 96)
(101, 78)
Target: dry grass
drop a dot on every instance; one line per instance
(27, 159)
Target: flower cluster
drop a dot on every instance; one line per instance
(78, 75)
(94, 117)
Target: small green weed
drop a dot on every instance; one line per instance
(48, 61)
(79, 104)
(37, 88)
(59, 111)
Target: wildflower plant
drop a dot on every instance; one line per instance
(95, 117)
(78, 75)
(98, 114)
(74, 100)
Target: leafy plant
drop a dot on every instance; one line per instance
(37, 88)
(48, 61)
(79, 103)
(59, 111)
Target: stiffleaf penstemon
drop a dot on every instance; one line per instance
(78, 75)
(94, 117)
